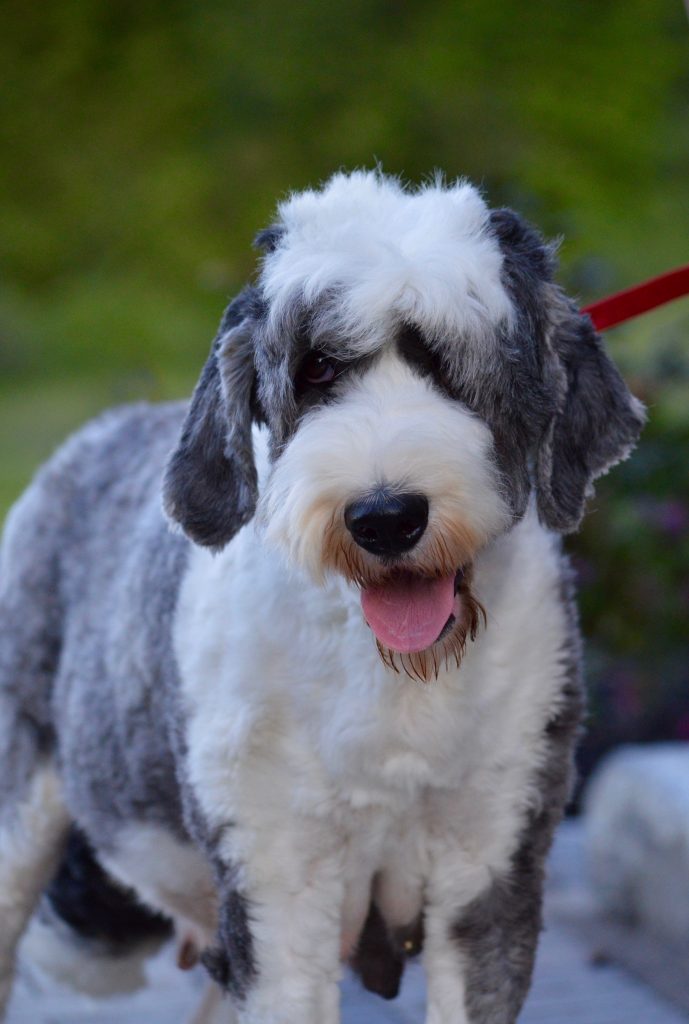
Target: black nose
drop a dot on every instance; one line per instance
(387, 524)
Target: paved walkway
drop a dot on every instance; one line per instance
(568, 987)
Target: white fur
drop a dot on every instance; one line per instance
(170, 876)
(51, 948)
(30, 844)
(391, 427)
(374, 254)
(331, 770)
(215, 1008)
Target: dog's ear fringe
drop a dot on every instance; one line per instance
(210, 486)
(597, 423)
(269, 238)
(524, 244)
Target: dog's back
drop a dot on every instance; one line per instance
(89, 582)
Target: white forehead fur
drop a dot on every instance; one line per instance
(366, 253)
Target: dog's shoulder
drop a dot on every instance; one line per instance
(95, 487)
(110, 451)
(88, 542)
(120, 446)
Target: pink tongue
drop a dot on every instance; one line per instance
(409, 613)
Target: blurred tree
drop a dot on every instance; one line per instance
(146, 142)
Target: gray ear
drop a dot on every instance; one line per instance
(269, 239)
(210, 487)
(597, 422)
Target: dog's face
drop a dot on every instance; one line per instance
(420, 375)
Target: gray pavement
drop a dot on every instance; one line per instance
(569, 987)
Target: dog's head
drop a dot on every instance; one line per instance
(420, 375)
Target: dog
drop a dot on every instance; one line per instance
(329, 716)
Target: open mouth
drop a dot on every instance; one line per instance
(409, 613)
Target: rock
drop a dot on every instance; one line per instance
(637, 837)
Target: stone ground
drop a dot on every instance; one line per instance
(573, 984)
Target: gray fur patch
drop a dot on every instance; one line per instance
(231, 962)
(31, 615)
(210, 485)
(113, 696)
(498, 932)
(90, 578)
(269, 238)
(566, 410)
(597, 423)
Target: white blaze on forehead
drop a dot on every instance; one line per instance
(380, 254)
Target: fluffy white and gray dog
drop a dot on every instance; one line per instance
(330, 717)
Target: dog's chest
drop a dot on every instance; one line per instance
(297, 732)
(267, 659)
(282, 674)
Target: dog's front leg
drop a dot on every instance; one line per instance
(445, 966)
(264, 813)
(277, 946)
(482, 928)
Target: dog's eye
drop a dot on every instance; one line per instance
(318, 369)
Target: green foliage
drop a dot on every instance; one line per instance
(145, 143)
(633, 561)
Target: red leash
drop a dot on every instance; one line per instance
(640, 299)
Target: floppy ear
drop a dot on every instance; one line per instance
(597, 422)
(210, 487)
